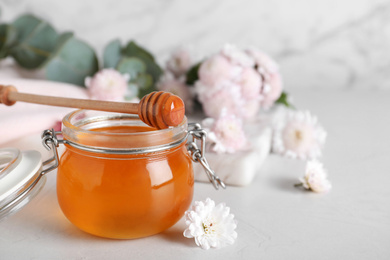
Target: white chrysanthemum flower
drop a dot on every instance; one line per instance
(315, 177)
(211, 225)
(299, 136)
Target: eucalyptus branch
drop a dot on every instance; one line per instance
(35, 44)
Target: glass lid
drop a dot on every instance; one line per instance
(20, 179)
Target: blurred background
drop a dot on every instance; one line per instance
(333, 53)
(338, 44)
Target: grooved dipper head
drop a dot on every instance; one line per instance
(161, 110)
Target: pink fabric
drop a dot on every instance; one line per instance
(23, 119)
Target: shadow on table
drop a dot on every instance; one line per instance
(175, 235)
(42, 217)
(285, 184)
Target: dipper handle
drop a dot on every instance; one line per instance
(157, 109)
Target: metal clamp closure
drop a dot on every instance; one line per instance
(198, 155)
(51, 142)
(196, 133)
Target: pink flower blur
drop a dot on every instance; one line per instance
(272, 81)
(226, 97)
(179, 62)
(226, 133)
(177, 87)
(108, 85)
(214, 70)
(273, 92)
(250, 83)
(239, 81)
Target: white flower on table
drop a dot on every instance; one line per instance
(298, 135)
(315, 177)
(211, 225)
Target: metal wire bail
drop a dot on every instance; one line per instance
(196, 133)
(50, 142)
(198, 155)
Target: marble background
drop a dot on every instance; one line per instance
(339, 44)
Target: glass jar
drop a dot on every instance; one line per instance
(117, 178)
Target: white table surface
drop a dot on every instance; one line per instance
(275, 220)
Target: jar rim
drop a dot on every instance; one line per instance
(79, 128)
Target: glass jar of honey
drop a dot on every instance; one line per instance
(117, 178)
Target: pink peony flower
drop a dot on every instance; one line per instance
(250, 108)
(226, 133)
(262, 60)
(226, 96)
(250, 83)
(214, 70)
(240, 81)
(107, 84)
(237, 56)
(272, 85)
(271, 90)
(177, 87)
(299, 136)
(180, 61)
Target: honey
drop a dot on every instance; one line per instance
(123, 195)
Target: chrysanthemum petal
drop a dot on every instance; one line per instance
(215, 228)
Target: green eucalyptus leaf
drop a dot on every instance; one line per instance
(132, 66)
(36, 40)
(192, 74)
(132, 49)
(8, 36)
(72, 61)
(132, 91)
(153, 69)
(144, 81)
(145, 84)
(112, 54)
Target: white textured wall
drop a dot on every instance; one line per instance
(318, 43)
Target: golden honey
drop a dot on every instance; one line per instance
(119, 179)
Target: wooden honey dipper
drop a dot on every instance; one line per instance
(157, 109)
